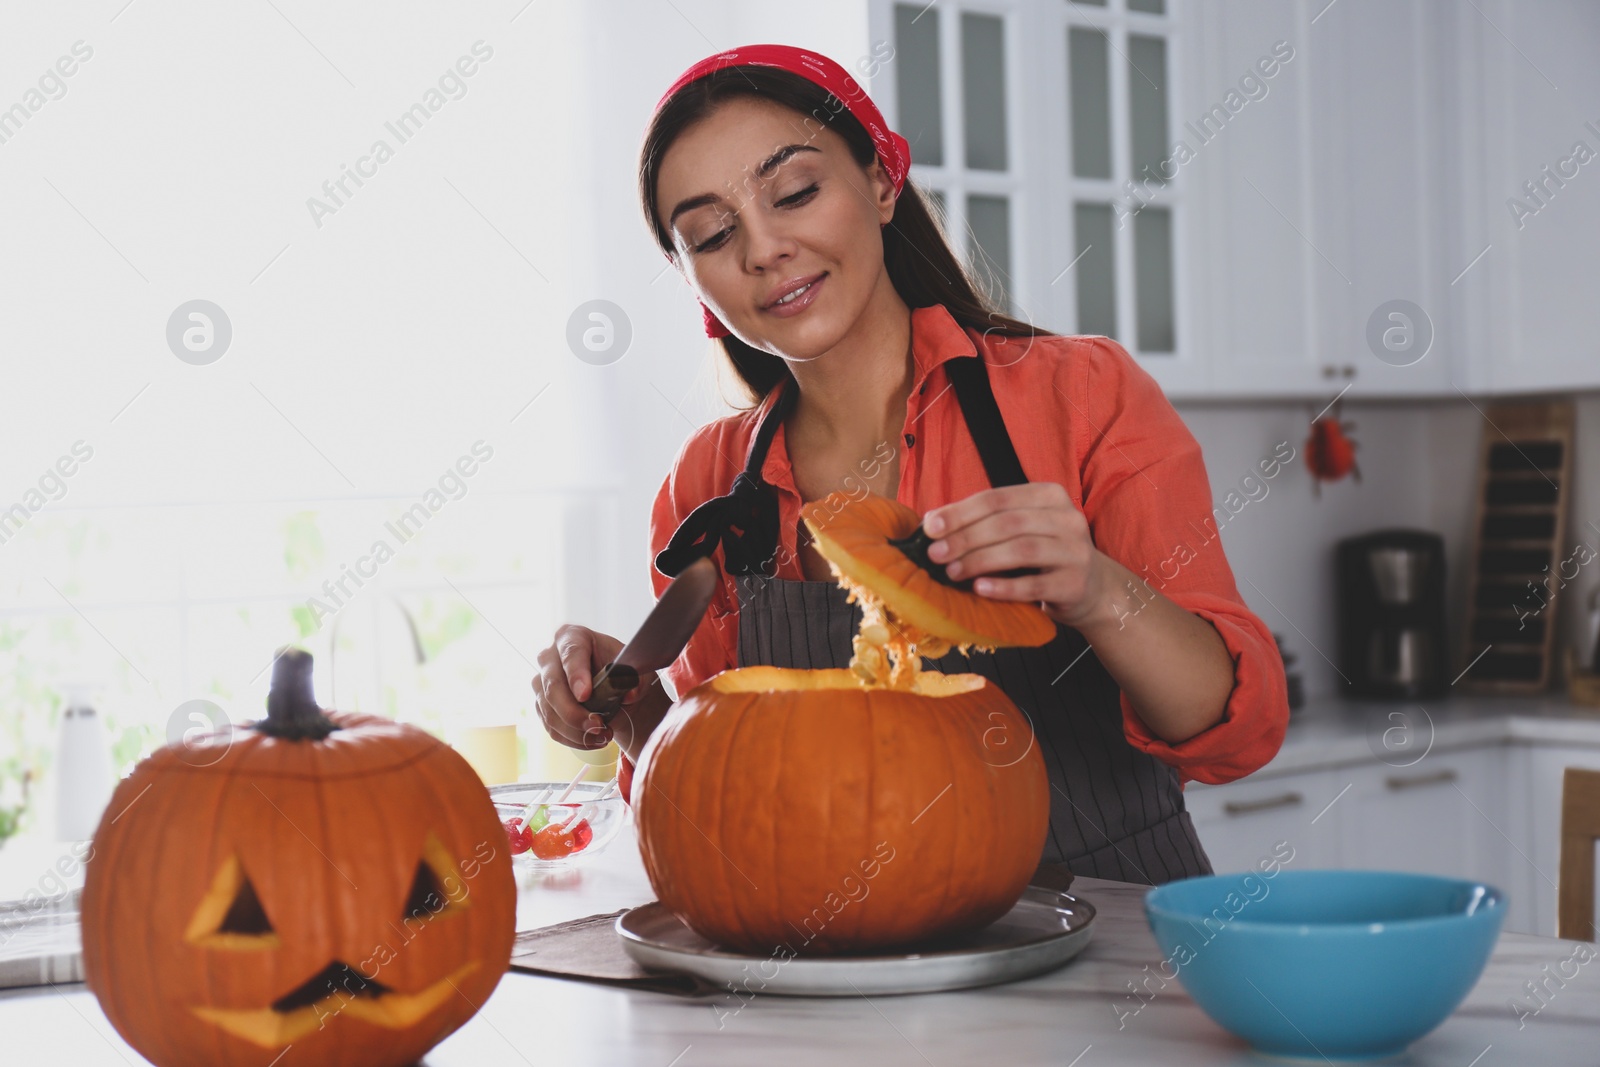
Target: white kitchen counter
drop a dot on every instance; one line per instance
(1068, 1017)
(1329, 732)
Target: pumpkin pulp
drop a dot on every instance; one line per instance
(907, 613)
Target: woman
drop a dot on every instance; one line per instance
(772, 183)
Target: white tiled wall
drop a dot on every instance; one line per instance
(1419, 468)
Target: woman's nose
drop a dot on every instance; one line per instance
(768, 244)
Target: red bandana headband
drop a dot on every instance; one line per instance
(892, 148)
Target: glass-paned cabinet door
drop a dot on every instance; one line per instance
(916, 70)
(955, 89)
(1121, 180)
(1059, 190)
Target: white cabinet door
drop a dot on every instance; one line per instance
(1407, 210)
(1436, 817)
(1255, 227)
(1525, 123)
(1240, 823)
(1491, 813)
(1376, 178)
(1325, 203)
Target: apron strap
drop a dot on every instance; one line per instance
(743, 521)
(971, 379)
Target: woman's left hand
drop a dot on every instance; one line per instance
(1034, 525)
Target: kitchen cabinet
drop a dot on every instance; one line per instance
(1428, 817)
(1373, 125)
(1445, 815)
(1354, 225)
(1331, 182)
(1242, 822)
(1319, 215)
(1483, 800)
(1253, 271)
(1525, 143)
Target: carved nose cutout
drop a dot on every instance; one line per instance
(336, 979)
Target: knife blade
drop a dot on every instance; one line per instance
(661, 637)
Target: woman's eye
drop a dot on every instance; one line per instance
(718, 239)
(799, 198)
(714, 242)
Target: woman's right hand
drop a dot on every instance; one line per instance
(565, 678)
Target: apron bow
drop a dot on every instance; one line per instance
(744, 522)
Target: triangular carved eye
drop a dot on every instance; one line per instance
(436, 888)
(245, 914)
(231, 915)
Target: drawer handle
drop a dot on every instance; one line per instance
(1245, 807)
(1397, 782)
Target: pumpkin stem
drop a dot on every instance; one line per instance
(292, 711)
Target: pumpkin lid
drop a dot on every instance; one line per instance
(857, 537)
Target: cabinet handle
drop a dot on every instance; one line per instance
(1399, 781)
(1329, 370)
(1245, 807)
(1349, 371)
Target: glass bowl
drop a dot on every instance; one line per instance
(564, 834)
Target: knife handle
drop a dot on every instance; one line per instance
(610, 684)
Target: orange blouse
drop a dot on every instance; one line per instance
(1081, 412)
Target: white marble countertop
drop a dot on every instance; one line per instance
(1330, 732)
(1068, 1018)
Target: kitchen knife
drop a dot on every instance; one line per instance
(666, 630)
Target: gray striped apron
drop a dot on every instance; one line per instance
(1115, 812)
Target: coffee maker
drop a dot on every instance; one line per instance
(1392, 640)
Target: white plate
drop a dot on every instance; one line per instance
(1044, 930)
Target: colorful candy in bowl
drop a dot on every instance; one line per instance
(549, 827)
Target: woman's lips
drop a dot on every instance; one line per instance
(805, 299)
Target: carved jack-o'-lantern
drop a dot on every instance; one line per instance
(336, 882)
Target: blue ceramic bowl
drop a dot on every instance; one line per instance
(1344, 965)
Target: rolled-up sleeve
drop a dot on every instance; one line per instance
(1148, 501)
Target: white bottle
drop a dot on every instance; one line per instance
(84, 778)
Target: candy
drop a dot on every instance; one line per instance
(536, 816)
(559, 840)
(518, 834)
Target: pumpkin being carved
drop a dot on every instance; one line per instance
(336, 882)
(817, 812)
(876, 548)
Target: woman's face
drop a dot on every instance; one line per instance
(757, 198)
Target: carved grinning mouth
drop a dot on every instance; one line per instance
(337, 989)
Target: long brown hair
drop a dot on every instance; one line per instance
(921, 265)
